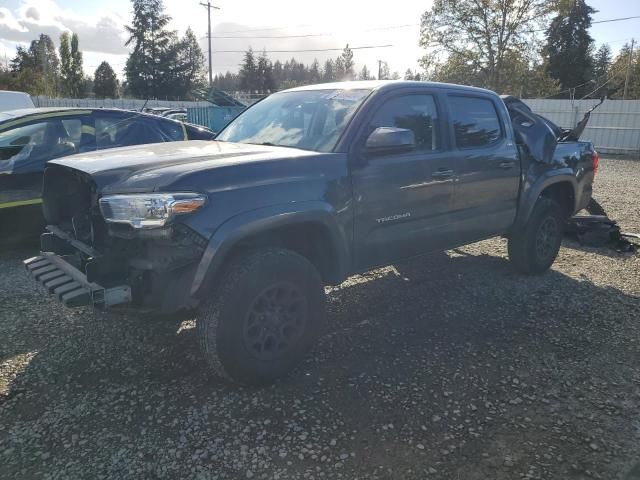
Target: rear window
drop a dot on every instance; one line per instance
(475, 121)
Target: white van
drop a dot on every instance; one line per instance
(14, 100)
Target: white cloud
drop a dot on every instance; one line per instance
(102, 32)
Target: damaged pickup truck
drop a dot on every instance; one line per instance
(302, 190)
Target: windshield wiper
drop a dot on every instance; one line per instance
(269, 144)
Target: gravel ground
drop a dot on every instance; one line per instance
(448, 367)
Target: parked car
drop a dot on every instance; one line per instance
(302, 190)
(30, 138)
(13, 100)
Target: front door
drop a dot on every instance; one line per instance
(403, 200)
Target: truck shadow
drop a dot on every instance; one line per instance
(435, 323)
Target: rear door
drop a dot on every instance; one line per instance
(403, 200)
(486, 192)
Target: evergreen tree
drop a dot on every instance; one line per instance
(148, 65)
(365, 74)
(384, 73)
(248, 72)
(329, 71)
(568, 47)
(602, 63)
(315, 75)
(264, 74)
(348, 63)
(105, 83)
(36, 70)
(185, 62)
(618, 75)
(340, 69)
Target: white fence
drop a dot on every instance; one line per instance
(614, 126)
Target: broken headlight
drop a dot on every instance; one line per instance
(151, 210)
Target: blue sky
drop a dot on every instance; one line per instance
(357, 22)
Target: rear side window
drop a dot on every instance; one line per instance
(475, 121)
(413, 112)
(122, 131)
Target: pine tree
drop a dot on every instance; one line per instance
(618, 74)
(186, 70)
(36, 70)
(365, 74)
(329, 72)
(384, 73)
(264, 74)
(348, 63)
(315, 75)
(105, 83)
(602, 63)
(569, 46)
(340, 69)
(148, 65)
(248, 72)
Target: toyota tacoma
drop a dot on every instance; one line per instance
(302, 190)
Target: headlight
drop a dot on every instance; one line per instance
(152, 210)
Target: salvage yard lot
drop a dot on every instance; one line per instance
(450, 366)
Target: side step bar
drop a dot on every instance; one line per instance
(70, 285)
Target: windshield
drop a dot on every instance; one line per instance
(308, 119)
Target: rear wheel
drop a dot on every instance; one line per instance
(535, 247)
(263, 316)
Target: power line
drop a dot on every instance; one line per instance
(376, 29)
(308, 49)
(619, 19)
(264, 29)
(616, 19)
(276, 36)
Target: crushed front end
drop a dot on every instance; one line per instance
(116, 250)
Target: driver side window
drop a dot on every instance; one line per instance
(413, 112)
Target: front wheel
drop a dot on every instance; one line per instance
(265, 313)
(534, 248)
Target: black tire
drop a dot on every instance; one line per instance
(264, 315)
(535, 247)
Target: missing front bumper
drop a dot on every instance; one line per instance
(71, 286)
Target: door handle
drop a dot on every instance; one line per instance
(506, 165)
(442, 174)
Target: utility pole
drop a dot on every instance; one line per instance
(209, 7)
(626, 80)
(379, 69)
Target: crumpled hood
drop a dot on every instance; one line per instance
(149, 167)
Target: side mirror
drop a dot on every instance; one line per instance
(385, 140)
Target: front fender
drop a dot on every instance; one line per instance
(532, 190)
(246, 224)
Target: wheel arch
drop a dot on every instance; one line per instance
(307, 228)
(558, 185)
